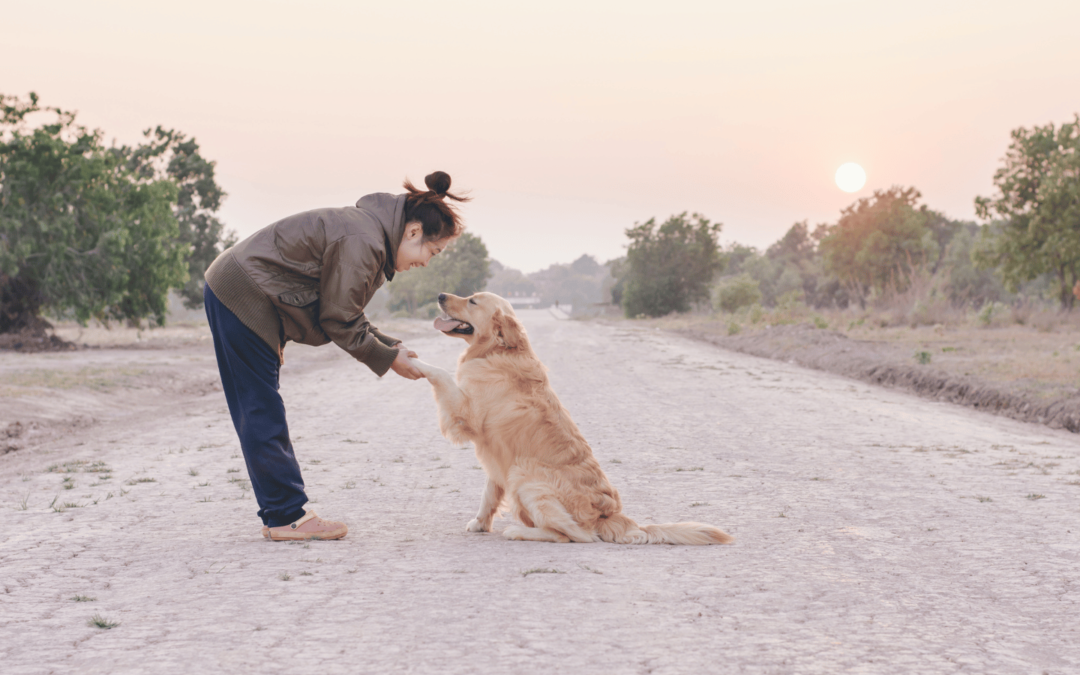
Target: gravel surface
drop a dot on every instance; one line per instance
(876, 532)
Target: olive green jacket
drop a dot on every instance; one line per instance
(308, 277)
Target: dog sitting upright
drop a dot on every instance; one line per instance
(535, 458)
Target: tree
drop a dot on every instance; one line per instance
(508, 282)
(880, 242)
(462, 269)
(1039, 200)
(615, 284)
(169, 154)
(81, 233)
(795, 247)
(669, 268)
(579, 284)
(970, 285)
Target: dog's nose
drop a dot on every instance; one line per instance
(442, 297)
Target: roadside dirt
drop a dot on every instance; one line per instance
(1019, 372)
(34, 340)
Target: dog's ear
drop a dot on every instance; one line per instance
(507, 329)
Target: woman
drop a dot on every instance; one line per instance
(307, 278)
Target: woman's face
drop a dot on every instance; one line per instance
(414, 251)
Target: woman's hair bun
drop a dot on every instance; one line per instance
(438, 182)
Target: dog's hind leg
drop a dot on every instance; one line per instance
(493, 494)
(547, 513)
(522, 533)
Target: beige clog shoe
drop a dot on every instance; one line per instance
(310, 526)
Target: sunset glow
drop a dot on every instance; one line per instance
(568, 121)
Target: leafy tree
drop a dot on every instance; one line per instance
(81, 233)
(615, 283)
(462, 269)
(669, 268)
(507, 281)
(738, 256)
(880, 242)
(579, 284)
(968, 284)
(587, 266)
(796, 259)
(169, 154)
(1039, 199)
(795, 247)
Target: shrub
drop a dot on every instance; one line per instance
(733, 293)
(757, 313)
(989, 312)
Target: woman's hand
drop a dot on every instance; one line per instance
(402, 366)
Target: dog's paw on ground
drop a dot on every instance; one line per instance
(475, 526)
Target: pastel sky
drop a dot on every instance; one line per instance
(567, 121)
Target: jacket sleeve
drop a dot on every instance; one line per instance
(349, 271)
(384, 338)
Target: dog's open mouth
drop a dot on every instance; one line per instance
(448, 324)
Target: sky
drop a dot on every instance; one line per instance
(567, 122)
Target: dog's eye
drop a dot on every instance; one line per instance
(471, 301)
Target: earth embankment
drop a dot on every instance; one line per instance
(888, 365)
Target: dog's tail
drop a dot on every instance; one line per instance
(692, 534)
(621, 529)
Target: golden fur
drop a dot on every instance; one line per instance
(537, 462)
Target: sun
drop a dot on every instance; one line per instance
(850, 177)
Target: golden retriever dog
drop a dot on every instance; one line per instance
(537, 462)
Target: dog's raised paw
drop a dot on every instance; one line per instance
(475, 526)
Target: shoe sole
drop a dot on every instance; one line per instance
(334, 534)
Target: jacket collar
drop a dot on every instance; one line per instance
(389, 211)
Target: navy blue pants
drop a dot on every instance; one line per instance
(249, 375)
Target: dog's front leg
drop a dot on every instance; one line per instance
(452, 402)
(489, 503)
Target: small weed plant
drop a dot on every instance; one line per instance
(541, 570)
(99, 621)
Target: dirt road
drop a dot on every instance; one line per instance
(875, 532)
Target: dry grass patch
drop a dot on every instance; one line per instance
(30, 382)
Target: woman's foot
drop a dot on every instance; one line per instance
(309, 527)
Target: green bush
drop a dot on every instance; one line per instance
(733, 293)
(989, 311)
(757, 313)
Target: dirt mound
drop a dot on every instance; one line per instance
(35, 339)
(834, 352)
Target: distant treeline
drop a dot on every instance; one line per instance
(89, 230)
(881, 248)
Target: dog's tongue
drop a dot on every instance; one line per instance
(446, 324)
